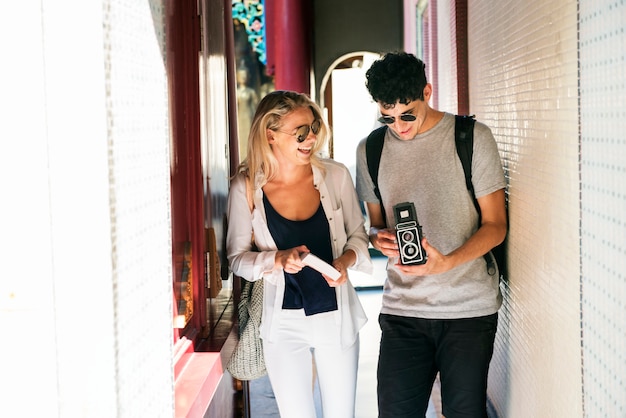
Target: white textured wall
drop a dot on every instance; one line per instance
(603, 192)
(138, 135)
(524, 84)
(85, 288)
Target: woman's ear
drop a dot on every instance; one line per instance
(270, 136)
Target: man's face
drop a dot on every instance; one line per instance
(405, 120)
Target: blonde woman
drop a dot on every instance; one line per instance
(301, 203)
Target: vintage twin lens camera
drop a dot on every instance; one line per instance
(409, 234)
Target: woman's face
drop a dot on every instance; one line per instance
(283, 141)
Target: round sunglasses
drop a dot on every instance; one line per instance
(405, 117)
(302, 132)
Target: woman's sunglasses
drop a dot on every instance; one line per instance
(302, 132)
(405, 117)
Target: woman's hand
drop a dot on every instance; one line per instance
(339, 266)
(342, 264)
(289, 260)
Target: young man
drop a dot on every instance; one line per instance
(440, 316)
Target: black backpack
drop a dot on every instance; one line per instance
(464, 139)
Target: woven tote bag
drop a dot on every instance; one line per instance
(247, 362)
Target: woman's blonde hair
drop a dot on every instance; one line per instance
(269, 113)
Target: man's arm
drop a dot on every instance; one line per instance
(492, 230)
(490, 233)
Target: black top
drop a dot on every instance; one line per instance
(306, 289)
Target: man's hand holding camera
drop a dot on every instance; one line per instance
(415, 255)
(435, 264)
(384, 240)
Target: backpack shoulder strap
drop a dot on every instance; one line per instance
(464, 139)
(373, 150)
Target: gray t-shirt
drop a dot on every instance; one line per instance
(428, 172)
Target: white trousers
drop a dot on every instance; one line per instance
(289, 363)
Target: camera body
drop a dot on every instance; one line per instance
(409, 234)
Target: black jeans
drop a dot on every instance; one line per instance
(413, 350)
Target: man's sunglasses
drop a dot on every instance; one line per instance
(302, 132)
(405, 117)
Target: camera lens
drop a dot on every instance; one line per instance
(409, 250)
(407, 236)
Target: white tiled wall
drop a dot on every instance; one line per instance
(86, 310)
(548, 77)
(524, 84)
(138, 132)
(603, 205)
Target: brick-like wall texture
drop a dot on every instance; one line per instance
(548, 77)
(602, 51)
(523, 81)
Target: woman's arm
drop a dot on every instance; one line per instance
(245, 261)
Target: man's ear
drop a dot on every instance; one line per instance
(428, 91)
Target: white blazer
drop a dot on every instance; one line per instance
(347, 231)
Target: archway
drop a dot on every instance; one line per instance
(348, 107)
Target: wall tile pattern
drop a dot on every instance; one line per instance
(602, 43)
(138, 134)
(523, 76)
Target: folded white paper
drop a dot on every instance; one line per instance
(320, 265)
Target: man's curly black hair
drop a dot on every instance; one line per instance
(396, 77)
